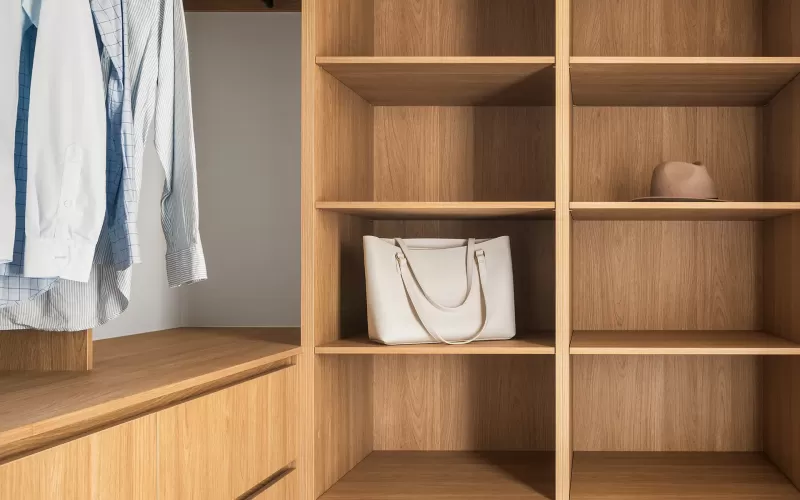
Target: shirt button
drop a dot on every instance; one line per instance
(68, 204)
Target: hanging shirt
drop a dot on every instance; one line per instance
(10, 38)
(153, 77)
(66, 194)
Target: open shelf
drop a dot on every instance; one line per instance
(680, 81)
(681, 343)
(688, 476)
(441, 210)
(403, 475)
(446, 81)
(697, 211)
(539, 343)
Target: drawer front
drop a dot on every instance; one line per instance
(283, 488)
(221, 445)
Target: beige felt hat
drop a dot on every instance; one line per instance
(680, 181)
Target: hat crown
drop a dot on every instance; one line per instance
(677, 179)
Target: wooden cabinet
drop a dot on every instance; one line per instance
(118, 463)
(222, 445)
(284, 487)
(662, 327)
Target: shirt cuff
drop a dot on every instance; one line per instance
(54, 258)
(187, 266)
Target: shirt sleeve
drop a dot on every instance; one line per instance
(10, 44)
(174, 138)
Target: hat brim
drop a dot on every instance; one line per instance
(669, 198)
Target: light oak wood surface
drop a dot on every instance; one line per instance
(283, 487)
(133, 375)
(221, 445)
(463, 28)
(45, 351)
(615, 150)
(678, 476)
(683, 211)
(462, 154)
(124, 461)
(781, 28)
(241, 6)
(682, 342)
(446, 81)
(667, 403)
(781, 148)
(667, 28)
(403, 475)
(464, 403)
(523, 343)
(119, 463)
(442, 210)
(661, 81)
(653, 275)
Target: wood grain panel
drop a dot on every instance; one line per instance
(667, 275)
(678, 210)
(443, 209)
(667, 403)
(678, 476)
(125, 461)
(464, 28)
(616, 149)
(446, 81)
(532, 254)
(46, 351)
(667, 28)
(782, 317)
(343, 153)
(464, 403)
(340, 28)
(464, 154)
(781, 147)
(60, 473)
(409, 475)
(242, 5)
(781, 28)
(343, 416)
(283, 487)
(221, 445)
(133, 375)
(691, 342)
(646, 81)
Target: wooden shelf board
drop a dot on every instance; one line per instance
(447, 81)
(680, 81)
(681, 210)
(133, 375)
(442, 210)
(441, 475)
(538, 343)
(667, 476)
(681, 343)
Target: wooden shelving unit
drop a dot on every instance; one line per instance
(671, 369)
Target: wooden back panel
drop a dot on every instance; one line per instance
(666, 28)
(617, 148)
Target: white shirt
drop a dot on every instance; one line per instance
(66, 193)
(10, 39)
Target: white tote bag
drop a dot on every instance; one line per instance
(422, 291)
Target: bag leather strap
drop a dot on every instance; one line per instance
(416, 298)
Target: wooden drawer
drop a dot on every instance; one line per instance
(284, 487)
(221, 445)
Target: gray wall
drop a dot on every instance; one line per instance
(246, 95)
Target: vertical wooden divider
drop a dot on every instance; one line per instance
(305, 461)
(36, 350)
(563, 254)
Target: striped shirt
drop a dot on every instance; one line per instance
(147, 67)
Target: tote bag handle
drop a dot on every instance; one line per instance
(418, 295)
